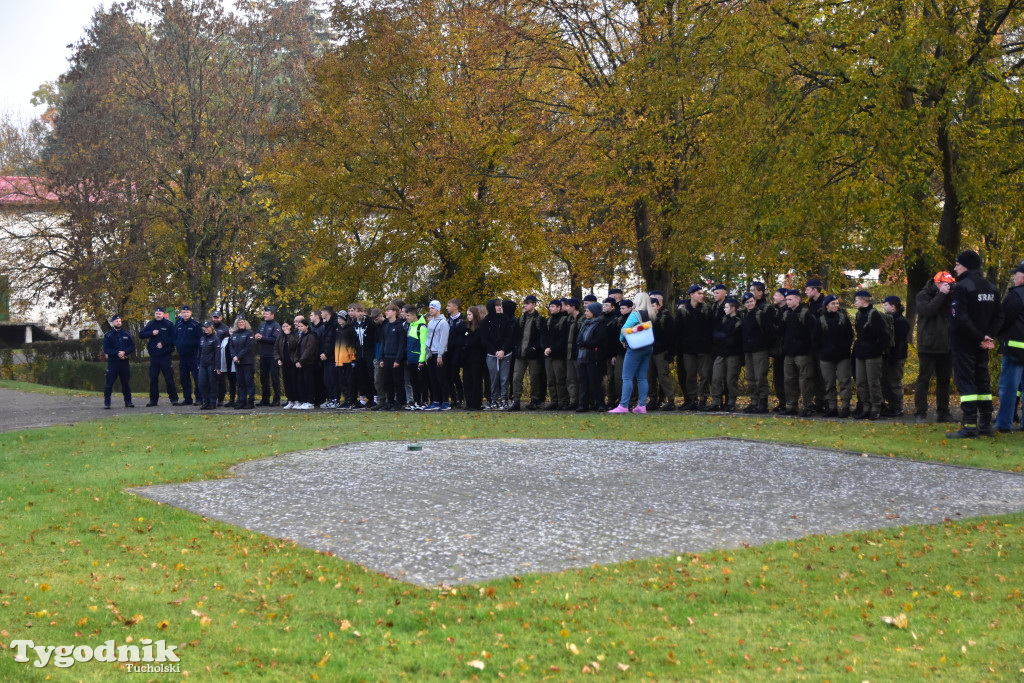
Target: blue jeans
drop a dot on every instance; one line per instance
(1009, 382)
(635, 365)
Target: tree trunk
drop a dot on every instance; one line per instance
(655, 275)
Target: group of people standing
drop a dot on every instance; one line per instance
(617, 354)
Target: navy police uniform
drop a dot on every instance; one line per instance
(115, 341)
(160, 346)
(186, 340)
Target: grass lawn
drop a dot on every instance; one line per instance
(82, 562)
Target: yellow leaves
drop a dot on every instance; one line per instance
(162, 625)
(44, 587)
(344, 625)
(323, 660)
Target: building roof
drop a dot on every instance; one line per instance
(25, 191)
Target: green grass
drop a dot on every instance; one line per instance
(34, 388)
(83, 562)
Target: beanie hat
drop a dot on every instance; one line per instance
(436, 305)
(594, 308)
(969, 259)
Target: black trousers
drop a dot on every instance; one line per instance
(118, 369)
(307, 378)
(438, 377)
(161, 365)
(970, 372)
(454, 368)
(939, 366)
(206, 386)
(472, 384)
(394, 383)
(418, 380)
(270, 373)
(330, 376)
(226, 379)
(188, 370)
(289, 375)
(246, 383)
(589, 376)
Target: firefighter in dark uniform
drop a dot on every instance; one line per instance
(975, 319)
(118, 345)
(160, 333)
(270, 372)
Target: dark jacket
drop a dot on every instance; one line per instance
(366, 337)
(589, 340)
(901, 329)
(243, 347)
(222, 330)
(728, 337)
(392, 347)
(528, 329)
(471, 344)
(498, 330)
(872, 334)
(833, 336)
(554, 335)
(1011, 334)
(758, 330)
(610, 345)
(118, 340)
(308, 350)
(664, 333)
(327, 334)
(165, 338)
(797, 328)
(268, 331)
(186, 336)
(975, 311)
(573, 331)
(285, 347)
(694, 328)
(209, 351)
(932, 320)
(457, 328)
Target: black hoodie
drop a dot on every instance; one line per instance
(497, 329)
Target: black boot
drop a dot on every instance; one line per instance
(859, 411)
(985, 427)
(967, 431)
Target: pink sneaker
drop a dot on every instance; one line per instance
(619, 409)
(640, 410)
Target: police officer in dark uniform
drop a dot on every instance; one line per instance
(976, 317)
(266, 335)
(160, 333)
(118, 345)
(187, 332)
(223, 332)
(209, 366)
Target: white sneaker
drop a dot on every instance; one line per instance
(287, 406)
(304, 406)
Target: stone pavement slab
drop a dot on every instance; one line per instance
(472, 510)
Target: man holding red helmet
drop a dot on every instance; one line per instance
(934, 354)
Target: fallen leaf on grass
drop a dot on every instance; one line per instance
(477, 664)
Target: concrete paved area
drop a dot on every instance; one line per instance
(468, 511)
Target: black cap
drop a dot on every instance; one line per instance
(1019, 268)
(207, 323)
(531, 299)
(747, 296)
(614, 290)
(555, 302)
(829, 299)
(656, 292)
(272, 309)
(694, 288)
(590, 298)
(732, 300)
(626, 302)
(116, 316)
(160, 309)
(720, 286)
(794, 292)
(782, 290)
(217, 314)
(609, 300)
(571, 301)
(863, 293)
(758, 285)
(969, 259)
(892, 299)
(185, 307)
(814, 282)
